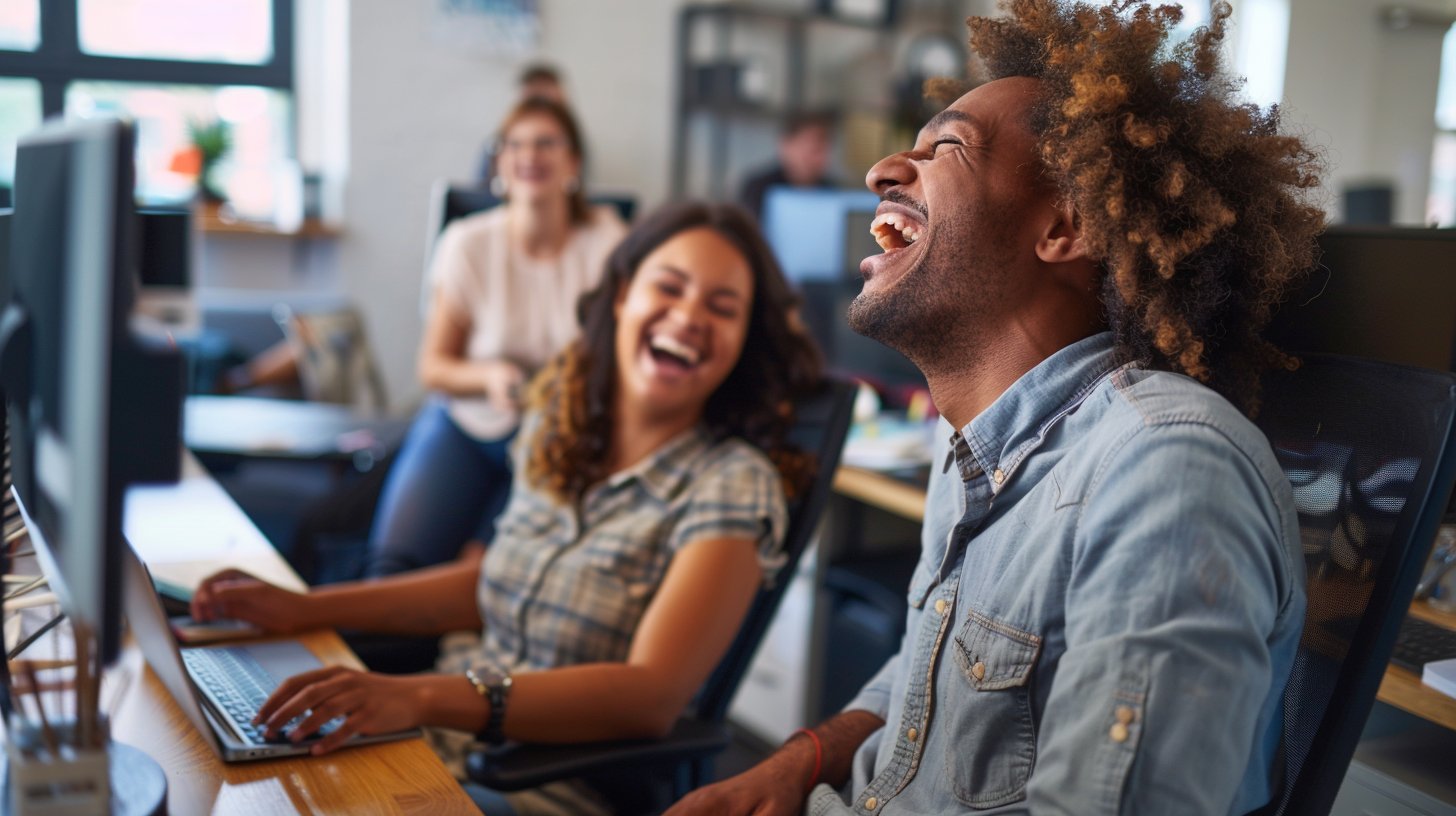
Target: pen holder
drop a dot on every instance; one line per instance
(70, 781)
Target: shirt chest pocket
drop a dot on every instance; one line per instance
(988, 700)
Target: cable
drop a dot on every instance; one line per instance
(34, 636)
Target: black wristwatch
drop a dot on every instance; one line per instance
(495, 686)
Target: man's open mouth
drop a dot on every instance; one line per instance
(895, 230)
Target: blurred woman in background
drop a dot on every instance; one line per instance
(506, 284)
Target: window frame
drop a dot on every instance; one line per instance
(59, 60)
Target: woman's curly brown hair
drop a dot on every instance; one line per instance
(778, 364)
(1193, 202)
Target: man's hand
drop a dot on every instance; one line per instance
(775, 787)
(779, 785)
(370, 703)
(235, 595)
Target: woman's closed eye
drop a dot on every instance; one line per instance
(935, 147)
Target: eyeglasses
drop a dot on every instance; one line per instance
(545, 144)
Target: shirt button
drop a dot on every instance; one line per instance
(940, 607)
(1124, 715)
(1118, 733)
(978, 671)
(911, 734)
(998, 476)
(871, 802)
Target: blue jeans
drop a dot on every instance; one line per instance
(445, 488)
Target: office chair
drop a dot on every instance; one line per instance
(1368, 448)
(449, 202)
(646, 776)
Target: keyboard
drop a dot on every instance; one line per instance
(240, 686)
(1421, 642)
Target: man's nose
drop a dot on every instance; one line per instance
(891, 171)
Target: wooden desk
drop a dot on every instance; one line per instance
(1400, 688)
(393, 778)
(1404, 689)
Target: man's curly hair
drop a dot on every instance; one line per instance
(1193, 202)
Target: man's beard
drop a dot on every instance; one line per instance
(929, 314)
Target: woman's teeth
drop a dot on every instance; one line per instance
(688, 355)
(894, 231)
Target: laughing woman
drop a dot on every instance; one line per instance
(649, 510)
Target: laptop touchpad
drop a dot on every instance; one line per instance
(283, 659)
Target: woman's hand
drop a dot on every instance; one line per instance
(235, 595)
(503, 380)
(370, 703)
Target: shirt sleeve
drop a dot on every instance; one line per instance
(452, 268)
(740, 497)
(1157, 703)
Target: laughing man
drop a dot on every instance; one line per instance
(1080, 255)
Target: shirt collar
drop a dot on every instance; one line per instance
(1016, 423)
(662, 472)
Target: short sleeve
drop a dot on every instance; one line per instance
(452, 268)
(740, 497)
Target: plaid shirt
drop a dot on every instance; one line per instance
(560, 586)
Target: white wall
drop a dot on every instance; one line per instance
(1367, 94)
(419, 111)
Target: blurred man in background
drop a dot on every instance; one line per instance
(805, 147)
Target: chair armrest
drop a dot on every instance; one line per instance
(517, 766)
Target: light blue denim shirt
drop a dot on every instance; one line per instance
(1108, 600)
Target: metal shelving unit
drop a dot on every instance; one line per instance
(707, 88)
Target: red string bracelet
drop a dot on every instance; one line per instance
(818, 757)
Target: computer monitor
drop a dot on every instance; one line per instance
(166, 248)
(5, 214)
(92, 406)
(1387, 293)
(805, 228)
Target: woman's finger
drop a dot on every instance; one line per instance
(346, 729)
(289, 689)
(340, 704)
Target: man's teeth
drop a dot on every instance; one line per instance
(894, 231)
(670, 345)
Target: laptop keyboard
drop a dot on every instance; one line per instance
(241, 686)
(1421, 642)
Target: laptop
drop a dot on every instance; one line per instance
(220, 688)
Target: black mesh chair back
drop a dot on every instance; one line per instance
(462, 201)
(643, 776)
(1367, 447)
(822, 425)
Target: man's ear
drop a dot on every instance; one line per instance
(1061, 240)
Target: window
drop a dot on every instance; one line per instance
(1441, 200)
(19, 25)
(167, 65)
(19, 112)
(233, 31)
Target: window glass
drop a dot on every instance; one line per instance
(1446, 85)
(19, 25)
(258, 120)
(1441, 200)
(19, 114)
(235, 31)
